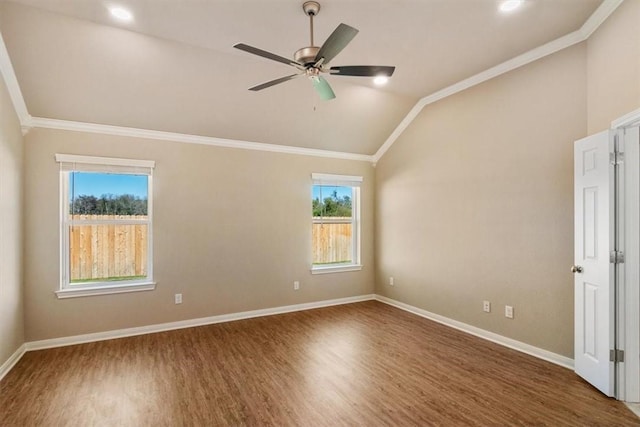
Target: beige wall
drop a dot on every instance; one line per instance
(232, 232)
(475, 202)
(11, 211)
(613, 67)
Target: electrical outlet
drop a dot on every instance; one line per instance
(508, 311)
(178, 298)
(296, 285)
(486, 306)
(391, 281)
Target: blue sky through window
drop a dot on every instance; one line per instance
(97, 184)
(327, 191)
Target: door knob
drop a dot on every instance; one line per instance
(576, 269)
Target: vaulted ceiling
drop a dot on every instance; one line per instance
(173, 68)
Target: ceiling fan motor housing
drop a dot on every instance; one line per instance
(307, 55)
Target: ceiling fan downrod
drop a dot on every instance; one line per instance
(307, 55)
(311, 9)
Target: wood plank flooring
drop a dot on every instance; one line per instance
(363, 364)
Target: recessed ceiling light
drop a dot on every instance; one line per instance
(380, 80)
(121, 13)
(510, 5)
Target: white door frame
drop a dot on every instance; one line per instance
(628, 286)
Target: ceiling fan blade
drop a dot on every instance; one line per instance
(337, 41)
(274, 82)
(363, 70)
(265, 54)
(322, 87)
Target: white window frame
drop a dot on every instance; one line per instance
(74, 163)
(355, 183)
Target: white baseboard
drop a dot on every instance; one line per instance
(634, 407)
(142, 330)
(549, 356)
(10, 363)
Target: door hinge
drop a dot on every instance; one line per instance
(616, 356)
(616, 158)
(616, 257)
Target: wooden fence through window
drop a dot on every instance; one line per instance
(108, 251)
(331, 237)
(111, 252)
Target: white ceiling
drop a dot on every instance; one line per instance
(174, 68)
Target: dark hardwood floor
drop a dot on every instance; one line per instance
(358, 364)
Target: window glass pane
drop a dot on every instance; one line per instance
(332, 201)
(106, 252)
(107, 194)
(332, 233)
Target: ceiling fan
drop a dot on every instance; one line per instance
(312, 60)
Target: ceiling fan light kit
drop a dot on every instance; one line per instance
(121, 14)
(510, 5)
(312, 60)
(380, 80)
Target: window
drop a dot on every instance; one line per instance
(336, 223)
(105, 225)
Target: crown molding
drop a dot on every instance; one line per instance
(10, 79)
(413, 113)
(28, 122)
(598, 17)
(507, 66)
(44, 123)
(595, 20)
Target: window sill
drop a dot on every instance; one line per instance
(105, 290)
(336, 269)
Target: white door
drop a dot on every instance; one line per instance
(593, 271)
